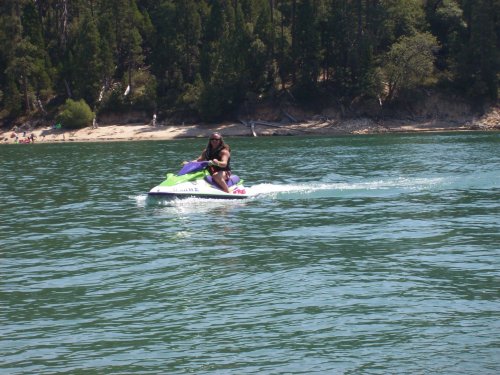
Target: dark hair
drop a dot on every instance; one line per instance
(220, 146)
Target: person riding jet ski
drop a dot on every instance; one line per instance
(218, 154)
(209, 176)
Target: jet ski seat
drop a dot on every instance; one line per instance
(233, 180)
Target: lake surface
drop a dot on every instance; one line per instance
(355, 255)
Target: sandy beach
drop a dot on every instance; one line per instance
(315, 126)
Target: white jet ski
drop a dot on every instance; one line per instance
(194, 180)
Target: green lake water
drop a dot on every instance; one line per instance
(354, 255)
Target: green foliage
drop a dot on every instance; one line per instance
(12, 99)
(404, 17)
(479, 64)
(447, 24)
(306, 49)
(191, 95)
(85, 58)
(75, 114)
(209, 56)
(144, 96)
(409, 63)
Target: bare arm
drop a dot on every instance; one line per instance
(202, 156)
(224, 159)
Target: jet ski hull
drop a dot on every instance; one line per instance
(197, 184)
(170, 195)
(197, 189)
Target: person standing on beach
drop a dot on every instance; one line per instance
(218, 153)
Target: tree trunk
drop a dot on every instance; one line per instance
(25, 91)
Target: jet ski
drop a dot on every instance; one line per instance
(194, 180)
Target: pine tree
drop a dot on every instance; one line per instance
(32, 29)
(226, 83)
(447, 24)
(284, 43)
(188, 38)
(24, 60)
(306, 48)
(164, 56)
(261, 53)
(480, 66)
(340, 44)
(404, 17)
(87, 69)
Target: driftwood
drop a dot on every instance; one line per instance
(289, 116)
(251, 125)
(267, 123)
(281, 126)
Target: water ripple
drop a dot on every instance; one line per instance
(379, 256)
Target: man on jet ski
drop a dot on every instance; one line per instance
(218, 154)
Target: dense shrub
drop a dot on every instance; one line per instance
(76, 114)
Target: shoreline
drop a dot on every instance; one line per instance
(319, 127)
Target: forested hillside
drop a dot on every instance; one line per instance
(207, 59)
